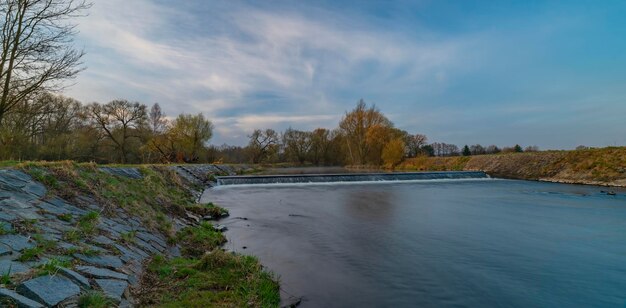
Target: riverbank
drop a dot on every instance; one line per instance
(604, 167)
(91, 236)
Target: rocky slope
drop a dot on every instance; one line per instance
(69, 240)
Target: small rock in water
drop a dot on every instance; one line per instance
(220, 228)
(244, 247)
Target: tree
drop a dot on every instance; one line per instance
(119, 121)
(492, 149)
(477, 149)
(518, 149)
(393, 152)
(263, 145)
(428, 149)
(190, 133)
(320, 145)
(466, 151)
(414, 144)
(354, 127)
(157, 119)
(297, 144)
(37, 52)
(531, 148)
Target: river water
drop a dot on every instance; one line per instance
(434, 243)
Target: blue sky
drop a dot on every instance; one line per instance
(544, 73)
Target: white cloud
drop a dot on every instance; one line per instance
(140, 51)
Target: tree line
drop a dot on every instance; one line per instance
(54, 127)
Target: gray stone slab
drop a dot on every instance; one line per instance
(75, 277)
(112, 288)
(28, 214)
(7, 216)
(67, 208)
(152, 238)
(5, 250)
(12, 267)
(128, 255)
(19, 300)
(115, 226)
(16, 242)
(145, 246)
(103, 240)
(35, 188)
(98, 272)
(66, 245)
(101, 260)
(49, 290)
(174, 251)
(53, 209)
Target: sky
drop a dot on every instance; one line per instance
(545, 73)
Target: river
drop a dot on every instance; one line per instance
(441, 243)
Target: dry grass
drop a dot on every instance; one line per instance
(605, 166)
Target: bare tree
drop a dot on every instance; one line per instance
(37, 53)
(157, 119)
(263, 145)
(478, 149)
(415, 143)
(297, 144)
(119, 121)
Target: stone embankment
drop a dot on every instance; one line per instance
(42, 265)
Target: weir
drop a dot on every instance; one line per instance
(348, 177)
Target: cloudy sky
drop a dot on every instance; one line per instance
(551, 74)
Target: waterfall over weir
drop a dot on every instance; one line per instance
(348, 177)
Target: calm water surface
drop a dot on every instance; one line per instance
(432, 244)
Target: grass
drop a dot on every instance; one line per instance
(204, 277)
(217, 279)
(5, 228)
(195, 241)
(43, 246)
(94, 299)
(52, 267)
(595, 166)
(87, 223)
(154, 198)
(208, 209)
(26, 226)
(5, 278)
(128, 237)
(86, 226)
(67, 217)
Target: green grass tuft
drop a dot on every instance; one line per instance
(217, 279)
(195, 241)
(94, 299)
